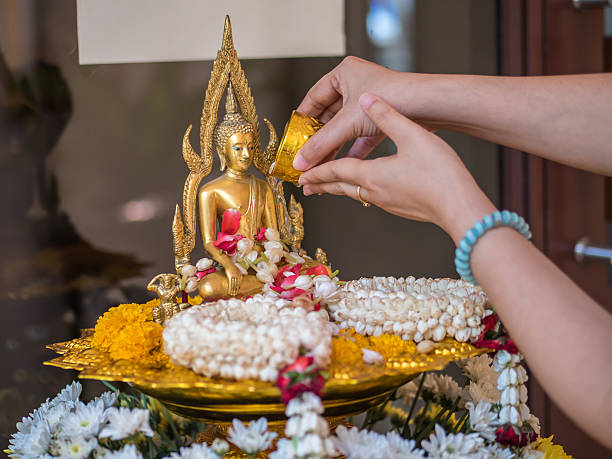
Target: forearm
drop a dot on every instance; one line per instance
(567, 119)
(565, 336)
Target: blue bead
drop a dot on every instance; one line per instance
(471, 236)
(465, 246)
(505, 217)
(514, 219)
(497, 217)
(462, 264)
(480, 228)
(488, 221)
(461, 255)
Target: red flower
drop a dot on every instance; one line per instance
(510, 435)
(291, 293)
(318, 270)
(295, 269)
(227, 239)
(201, 274)
(299, 377)
(490, 322)
(261, 235)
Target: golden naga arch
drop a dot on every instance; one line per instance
(226, 69)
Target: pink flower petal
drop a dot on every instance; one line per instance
(262, 234)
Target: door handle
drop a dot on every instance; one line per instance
(584, 251)
(586, 4)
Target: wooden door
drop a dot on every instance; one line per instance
(562, 204)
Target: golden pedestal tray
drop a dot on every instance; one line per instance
(348, 391)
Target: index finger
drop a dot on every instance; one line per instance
(320, 96)
(347, 170)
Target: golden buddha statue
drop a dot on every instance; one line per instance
(261, 203)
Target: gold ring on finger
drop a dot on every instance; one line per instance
(363, 202)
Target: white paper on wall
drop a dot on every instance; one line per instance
(118, 31)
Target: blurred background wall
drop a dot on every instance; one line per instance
(86, 209)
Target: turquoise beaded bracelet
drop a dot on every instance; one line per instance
(497, 218)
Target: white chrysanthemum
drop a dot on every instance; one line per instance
(127, 452)
(355, 444)
(251, 439)
(108, 398)
(69, 394)
(85, 421)
(483, 391)
(446, 446)
(284, 450)
(55, 415)
(75, 447)
(195, 451)
(478, 368)
(124, 422)
(32, 438)
(528, 453)
(447, 388)
(496, 451)
(400, 448)
(408, 391)
(220, 447)
(534, 423)
(482, 419)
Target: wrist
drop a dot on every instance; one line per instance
(458, 218)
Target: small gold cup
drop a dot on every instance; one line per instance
(298, 130)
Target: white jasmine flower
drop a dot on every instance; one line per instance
(272, 234)
(303, 404)
(204, 263)
(355, 444)
(124, 422)
(446, 446)
(127, 452)
(75, 447)
(297, 258)
(192, 285)
(243, 246)
(310, 445)
(220, 447)
(195, 451)
(275, 254)
(325, 287)
(303, 282)
(502, 360)
(509, 396)
(371, 357)
(534, 423)
(265, 277)
(508, 377)
(509, 415)
(188, 271)
(528, 453)
(251, 439)
(252, 256)
(85, 421)
(482, 419)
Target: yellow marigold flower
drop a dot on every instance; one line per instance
(550, 450)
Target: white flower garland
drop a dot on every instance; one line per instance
(250, 339)
(417, 309)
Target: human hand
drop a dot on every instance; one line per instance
(234, 279)
(424, 181)
(334, 100)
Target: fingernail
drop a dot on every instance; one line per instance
(307, 191)
(366, 100)
(300, 163)
(302, 180)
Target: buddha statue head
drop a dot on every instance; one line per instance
(234, 137)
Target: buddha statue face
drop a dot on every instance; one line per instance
(238, 151)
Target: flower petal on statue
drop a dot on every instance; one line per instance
(201, 274)
(318, 270)
(227, 242)
(291, 293)
(230, 222)
(262, 234)
(280, 276)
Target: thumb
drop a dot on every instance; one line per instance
(390, 121)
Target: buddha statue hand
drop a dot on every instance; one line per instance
(234, 279)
